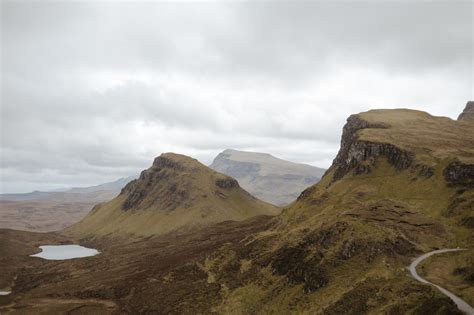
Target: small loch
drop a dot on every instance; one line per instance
(62, 252)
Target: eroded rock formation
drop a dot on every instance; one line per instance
(354, 151)
(468, 112)
(459, 174)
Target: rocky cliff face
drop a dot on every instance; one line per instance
(138, 193)
(468, 112)
(266, 177)
(354, 152)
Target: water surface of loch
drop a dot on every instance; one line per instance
(61, 252)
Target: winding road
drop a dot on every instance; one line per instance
(461, 304)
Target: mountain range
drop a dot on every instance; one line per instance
(54, 210)
(270, 179)
(105, 188)
(183, 238)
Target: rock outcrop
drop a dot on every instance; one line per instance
(468, 112)
(354, 151)
(227, 183)
(138, 192)
(459, 174)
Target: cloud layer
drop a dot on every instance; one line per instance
(92, 91)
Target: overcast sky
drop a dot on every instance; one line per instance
(92, 91)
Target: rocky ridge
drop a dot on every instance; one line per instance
(354, 152)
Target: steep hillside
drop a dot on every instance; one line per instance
(401, 184)
(175, 192)
(268, 178)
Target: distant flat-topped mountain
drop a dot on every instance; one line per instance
(175, 192)
(44, 211)
(268, 178)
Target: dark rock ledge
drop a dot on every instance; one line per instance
(459, 174)
(353, 151)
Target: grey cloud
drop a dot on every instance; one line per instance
(95, 90)
(262, 38)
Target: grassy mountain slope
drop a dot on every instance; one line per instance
(268, 178)
(176, 192)
(401, 184)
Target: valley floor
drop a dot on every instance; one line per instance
(159, 275)
(167, 274)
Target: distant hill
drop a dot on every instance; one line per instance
(266, 177)
(175, 192)
(113, 187)
(26, 196)
(50, 211)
